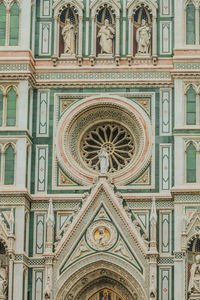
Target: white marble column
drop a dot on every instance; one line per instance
(154, 37)
(10, 282)
(20, 163)
(25, 24)
(22, 105)
(93, 41)
(80, 36)
(130, 39)
(117, 37)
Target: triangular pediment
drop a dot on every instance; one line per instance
(111, 241)
(102, 226)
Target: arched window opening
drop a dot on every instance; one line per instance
(142, 32)
(14, 25)
(2, 24)
(191, 164)
(11, 107)
(1, 107)
(9, 165)
(105, 32)
(190, 24)
(106, 294)
(68, 39)
(191, 106)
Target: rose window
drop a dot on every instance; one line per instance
(115, 138)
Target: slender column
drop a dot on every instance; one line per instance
(80, 37)
(117, 36)
(154, 37)
(7, 26)
(93, 46)
(10, 283)
(130, 40)
(56, 36)
(197, 25)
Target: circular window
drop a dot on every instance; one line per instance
(115, 138)
(118, 125)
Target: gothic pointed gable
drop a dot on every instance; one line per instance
(117, 246)
(133, 4)
(115, 4)
(61, 4)
(193, 227)
(102, 193)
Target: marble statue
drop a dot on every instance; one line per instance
(68, 33)
(106, 34)
(143, 37)
(104, 161)
(3, 282)
(194, 284)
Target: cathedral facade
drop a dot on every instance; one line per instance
(100, 149)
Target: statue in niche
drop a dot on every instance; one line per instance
(3, 282)
(143, 37)
(106, 35)
(194, 284)
(104, 161)
(102, 238)
(69, 37)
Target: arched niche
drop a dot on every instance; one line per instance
(138, 11)
(68, 39)
(98, 12)
(105, 13)
(72, 11)
(142, 30)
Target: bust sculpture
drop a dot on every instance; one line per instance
(68, 33)
(3, 282)
(194, 284)
(143, 37)
(104, 162)
(106, 35)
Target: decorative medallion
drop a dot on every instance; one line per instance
(101, 235)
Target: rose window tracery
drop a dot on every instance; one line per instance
(115, 138)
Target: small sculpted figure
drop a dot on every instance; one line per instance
(106, 34)
(143, 37)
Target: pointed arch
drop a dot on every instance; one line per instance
(2, 23)
(14, 24)
(9, 165)
(11, 104)
(191, 106)
(190, 23)
(191, 163)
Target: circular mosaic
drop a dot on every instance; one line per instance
(101, 235)
(115, 139)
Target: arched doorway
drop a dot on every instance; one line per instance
(105, 294)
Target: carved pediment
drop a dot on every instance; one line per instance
(134, 4)
(59, 5)
(193, 227)
(115, 4)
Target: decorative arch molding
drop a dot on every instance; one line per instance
(94, 276)
(192, 231)
(78, 8)
(79, 113)
(152, 7)
(115, 7)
